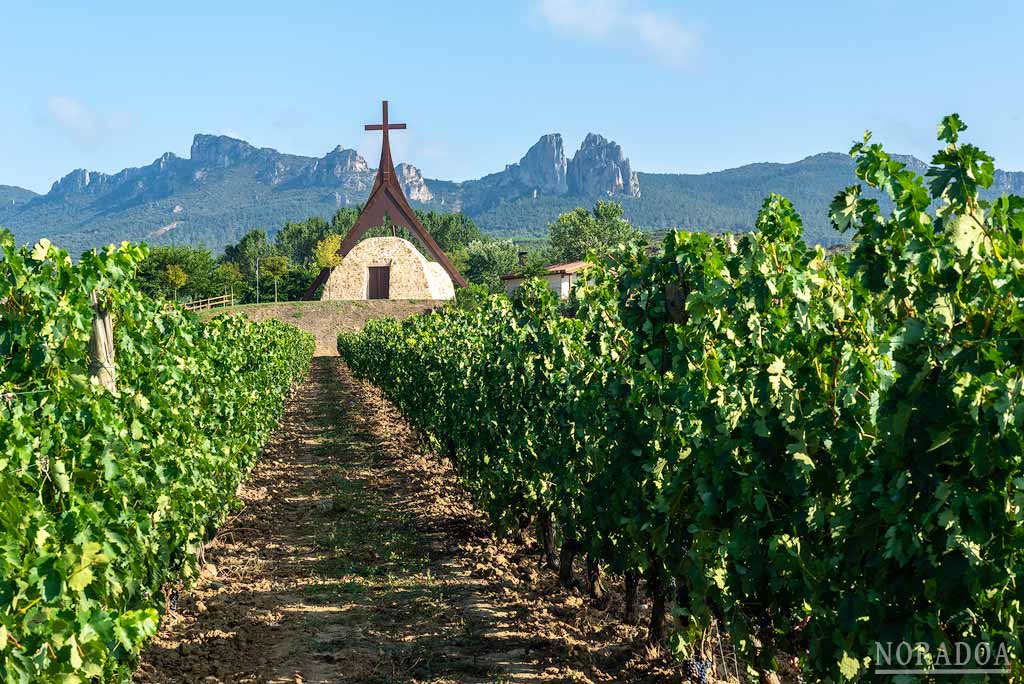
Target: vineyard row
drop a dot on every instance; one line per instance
(817, 451)
(106, 497)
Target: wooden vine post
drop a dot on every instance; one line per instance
(101, 347)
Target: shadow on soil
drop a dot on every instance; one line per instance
(357, 558)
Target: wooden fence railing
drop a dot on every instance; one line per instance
(210, 302)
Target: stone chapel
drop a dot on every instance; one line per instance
(388, 267)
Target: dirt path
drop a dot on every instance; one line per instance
(356, 558)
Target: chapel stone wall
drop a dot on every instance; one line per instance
(412, 276)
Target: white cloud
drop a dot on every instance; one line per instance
(80, 123)
(614, 20)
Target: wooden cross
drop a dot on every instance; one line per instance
(387, 199)
(385, 126)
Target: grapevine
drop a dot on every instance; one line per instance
(821, 451)
(105, 497)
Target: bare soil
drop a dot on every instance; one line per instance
(356, 557)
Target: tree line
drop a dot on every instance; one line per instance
(280, 268)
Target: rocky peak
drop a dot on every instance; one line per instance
(165, 160)
(543, 167)
(911, 162)
(219, 150)
(78, 180)
(1008, 182)
(339, 167)
(601, 168)
(336, 164)
(413, 185)
(342, 160)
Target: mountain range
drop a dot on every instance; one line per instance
(227, 187)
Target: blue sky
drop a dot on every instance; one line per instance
(683, 86)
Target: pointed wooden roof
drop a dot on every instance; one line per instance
(387, 199)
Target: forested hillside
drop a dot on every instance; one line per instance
(723, 201)
(227, 188)
(11, 196)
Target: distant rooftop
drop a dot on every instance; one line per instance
(554, 269)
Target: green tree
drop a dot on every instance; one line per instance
(230, 275)
(343, 220)
(197, 263)
(450, 231)
(325, 254)
(535, 265)
(297, 240)
(275, 267)
(487, 261)
(296, 281)
(253, 245)
(579, 231)
(471, 298)
(175, 277)
(388, 229)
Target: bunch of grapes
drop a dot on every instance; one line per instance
(764, 626)
(697, 669)
(682, 591)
